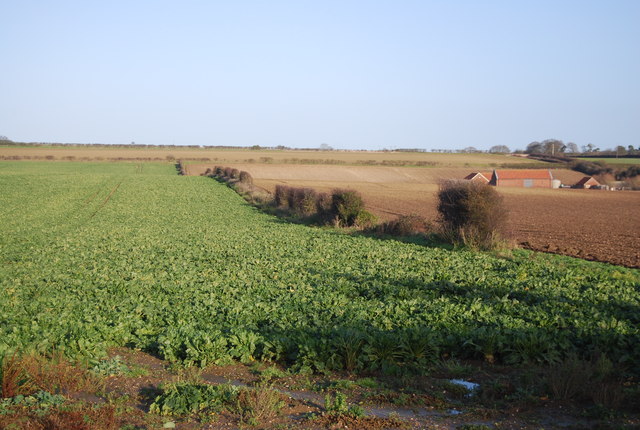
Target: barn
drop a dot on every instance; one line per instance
(525, 178)
(477, 177)
(587, 182)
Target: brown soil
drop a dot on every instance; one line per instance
(594, 225)
(387, 402)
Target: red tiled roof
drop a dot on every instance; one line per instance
(523, 174)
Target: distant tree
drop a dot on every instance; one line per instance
(325, 147)
(630, 150)
(572, 148)
(534, 147)
(553, 146)
(620, 150)
(588, 147)
(499, 149)
(4, 139)
(470, 150)
(256, 147)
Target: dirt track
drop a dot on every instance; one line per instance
(594, 225)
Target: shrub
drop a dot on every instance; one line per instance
(323, 206)
(304, 201)
(227, 172)
(630, 172)
(591, 167)
(218, 171)
(282, 196)
(404, 225)
(235, 174)
(255, 405)
(346, 206)
(365, 220)
(246, 178)
(472, 214)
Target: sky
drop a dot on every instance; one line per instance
(429, 74)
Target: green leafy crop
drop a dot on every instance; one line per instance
(115, 254)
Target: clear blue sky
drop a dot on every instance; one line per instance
(351, 74)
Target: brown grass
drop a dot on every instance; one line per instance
(29, 373)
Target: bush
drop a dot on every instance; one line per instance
(323, 207)
(365, 220)
(235, 174)
(227, 172)
(404, 225)
(246, 178)
(472, 214)
(218, 171)
(346, 206)
(591, 168)
(304, 201)
(282, 196)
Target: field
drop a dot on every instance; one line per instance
(594, 225)
(97, 256)
(105, 153)
(618, 162)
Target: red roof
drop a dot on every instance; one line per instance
(523, 174)
(586, 179)
(470, 176)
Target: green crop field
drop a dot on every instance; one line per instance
(617, 161)
(95, 255)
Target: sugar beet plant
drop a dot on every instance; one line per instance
(117, 254)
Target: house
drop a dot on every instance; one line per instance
(525, 178)
(477, 177)
(587, 182)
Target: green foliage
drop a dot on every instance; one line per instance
(347, 207)
(42, 400)
(337, 405)
(188, 398)
(112, 366)
(183, 268)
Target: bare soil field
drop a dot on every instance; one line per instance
(593, 225)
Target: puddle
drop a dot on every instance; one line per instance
(470, 386)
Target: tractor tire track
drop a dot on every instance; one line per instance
(106, 200)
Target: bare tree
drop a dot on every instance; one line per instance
(572, 148)
(499, 149)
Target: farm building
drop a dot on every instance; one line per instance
(522, 178)
(587, 182)
(477, 177)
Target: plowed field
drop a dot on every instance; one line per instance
(594, 225)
